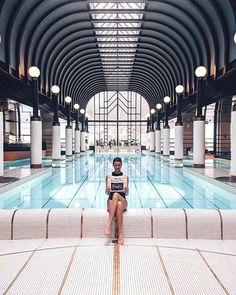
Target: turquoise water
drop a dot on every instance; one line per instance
(24, 162)
(152, 183)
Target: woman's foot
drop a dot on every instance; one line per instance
(120, 240)
(107, 230)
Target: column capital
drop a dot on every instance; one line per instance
(35, 118)
(178, 124)
(199, 118)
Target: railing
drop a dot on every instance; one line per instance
(118, 149)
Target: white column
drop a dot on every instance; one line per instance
(233, 144)
(166, 141)
(87, 144)
(158, 141)
(82, 141)
(69, 138)
(152, 141)
(36, 142)
(56, 145)
(179, 141)
(1, 147)
(147, 140)
(77, 142)
(199, 142)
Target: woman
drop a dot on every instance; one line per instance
(116, 202)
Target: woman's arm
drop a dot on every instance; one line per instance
(107, 191)
(126, 190)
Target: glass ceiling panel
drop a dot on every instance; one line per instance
(117, 39)
(116, 32)
(117, 16)
(115, 23)
(115, 5)
(118, 45)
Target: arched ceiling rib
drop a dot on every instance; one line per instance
(91, 46)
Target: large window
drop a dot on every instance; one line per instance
(117, 117)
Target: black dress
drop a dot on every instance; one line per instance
(120, 193)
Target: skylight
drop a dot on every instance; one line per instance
(117, 27)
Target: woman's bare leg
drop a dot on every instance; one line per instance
(121, 206)
(112, 205)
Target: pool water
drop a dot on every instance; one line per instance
(152, 183)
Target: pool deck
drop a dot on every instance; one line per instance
(95, 266)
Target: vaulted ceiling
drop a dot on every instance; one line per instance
(86, 47)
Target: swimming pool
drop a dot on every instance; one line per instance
(152, 183)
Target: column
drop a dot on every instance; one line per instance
(1, 147)
(233, 144)
(83, 132)
(166, 142)
(199, 142)
(35, 123)
(69, 132)
(199, 123)
(56, 130)
(77, 131)
(158, 131)
(152, 140)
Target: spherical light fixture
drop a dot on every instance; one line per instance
(158, 106)
(34, 72)
(76, 106)
(55, 89)
(235, 38)
(200, 72)
(68, 99)
(152, 111)
(179, 89)
(82, 111)
(166, 99)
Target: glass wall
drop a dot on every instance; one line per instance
(117, 118)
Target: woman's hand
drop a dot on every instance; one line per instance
(107, 191)
(126, 190)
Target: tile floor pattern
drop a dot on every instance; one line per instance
(96, 266)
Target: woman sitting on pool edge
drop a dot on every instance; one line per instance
(116, 202)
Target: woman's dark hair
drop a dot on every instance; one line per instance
(117, 159)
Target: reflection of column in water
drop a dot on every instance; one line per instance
(38, 199)
(69, 172)
(77, 172)
(158, 170)
(166, 172)
(198, 197)
(83, 166)
(148, 165)
(152, 166)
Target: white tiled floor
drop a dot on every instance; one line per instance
(145, 266)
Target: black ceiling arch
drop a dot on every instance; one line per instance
(144, 62)
(60, 37)
(86, 81)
